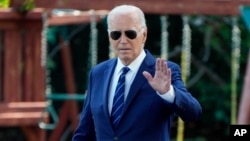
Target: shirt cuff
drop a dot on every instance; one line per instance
(168, 96)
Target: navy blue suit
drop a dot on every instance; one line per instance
(145, 117)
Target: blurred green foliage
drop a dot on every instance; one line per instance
(27, 6)
(4, 3)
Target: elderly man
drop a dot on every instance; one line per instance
(134, 96)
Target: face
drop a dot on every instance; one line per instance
(127, 36)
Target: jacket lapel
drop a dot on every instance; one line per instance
(108, 73)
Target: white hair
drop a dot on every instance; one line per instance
(125, 9)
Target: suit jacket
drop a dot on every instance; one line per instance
(145, 117)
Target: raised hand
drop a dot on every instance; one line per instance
(162, 79)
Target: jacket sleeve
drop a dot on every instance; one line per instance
(185, 105)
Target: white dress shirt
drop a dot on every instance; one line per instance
(134, 67)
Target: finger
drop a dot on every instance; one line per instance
(148, 76)
(164, 66)
(165, 70)
(158, 65)
(160, 62)
(169, 74)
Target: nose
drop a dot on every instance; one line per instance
(123, 38)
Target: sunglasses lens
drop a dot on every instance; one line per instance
(115, 35)
(131, 34)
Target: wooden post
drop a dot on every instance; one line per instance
(12, 66)
(69, 110)
(23, 81)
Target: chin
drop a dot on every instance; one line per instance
(125, 59)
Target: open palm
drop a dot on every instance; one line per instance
(161, 81)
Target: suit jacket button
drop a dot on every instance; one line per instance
(116, 139)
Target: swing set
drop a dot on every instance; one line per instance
(26, 100)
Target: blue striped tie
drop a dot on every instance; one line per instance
(118, 101)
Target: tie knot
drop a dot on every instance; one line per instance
(125, 70)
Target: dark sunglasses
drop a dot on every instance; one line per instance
(131, 34)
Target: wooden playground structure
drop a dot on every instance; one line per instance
(23, 72)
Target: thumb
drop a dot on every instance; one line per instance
(147, 75)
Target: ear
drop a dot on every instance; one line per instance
(145, 34)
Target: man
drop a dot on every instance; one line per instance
(150, 91)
